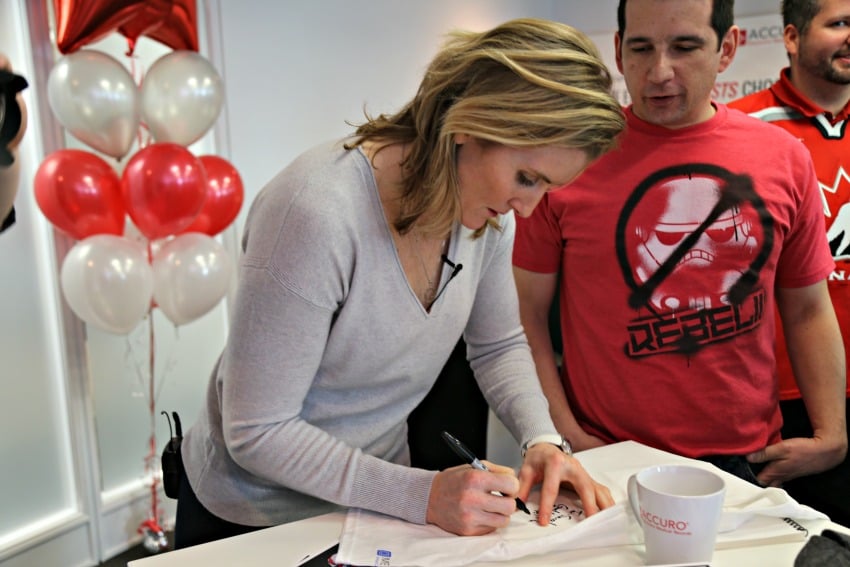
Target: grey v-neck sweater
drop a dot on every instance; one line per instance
(330, 350)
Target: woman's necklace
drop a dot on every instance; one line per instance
(431, 290)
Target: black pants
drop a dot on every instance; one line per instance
(195, 524)
(828, 491)
(454, 404)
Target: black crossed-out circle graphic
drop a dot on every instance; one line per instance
(734, 190)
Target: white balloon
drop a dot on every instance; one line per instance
(181, 97)
(108, 282)
(191, 275)
(94, 97)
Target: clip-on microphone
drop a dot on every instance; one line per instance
(455, 269)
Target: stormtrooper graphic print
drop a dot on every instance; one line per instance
(691, 242)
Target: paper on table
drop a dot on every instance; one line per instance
(773, 502)
(753, 515)
(769, 517)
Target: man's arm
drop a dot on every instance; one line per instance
(536, 292)
(816, 352)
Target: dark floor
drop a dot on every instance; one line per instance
(136, 552)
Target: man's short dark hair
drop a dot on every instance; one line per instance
(799, 13)
(722, 18)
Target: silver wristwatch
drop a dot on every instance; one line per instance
(557, 440)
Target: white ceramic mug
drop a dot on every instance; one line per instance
(679, 508)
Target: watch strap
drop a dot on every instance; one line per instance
(557, 440)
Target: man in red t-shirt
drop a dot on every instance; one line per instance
(672, 250)
(811, 100)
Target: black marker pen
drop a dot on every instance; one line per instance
(464, 453)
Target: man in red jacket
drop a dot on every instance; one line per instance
(811, 100)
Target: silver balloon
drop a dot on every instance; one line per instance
(108, 282)
(191, 275)
(95, 98)
(181, 97)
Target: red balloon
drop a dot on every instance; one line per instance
(164, 187)
(80, 22)
(80, 194)
(225, 194)
(176, 28)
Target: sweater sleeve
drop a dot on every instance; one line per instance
(498, 349)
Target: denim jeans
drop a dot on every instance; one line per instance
(736, 465)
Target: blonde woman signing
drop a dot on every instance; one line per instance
(350, 299)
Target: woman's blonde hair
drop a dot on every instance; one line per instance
(525, 83)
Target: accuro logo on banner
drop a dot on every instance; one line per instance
(758, 35)
(666, 525)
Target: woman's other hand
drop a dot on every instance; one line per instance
(549, 466)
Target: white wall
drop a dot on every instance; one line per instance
(294, 73)
(297, 71)
(35, 443)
